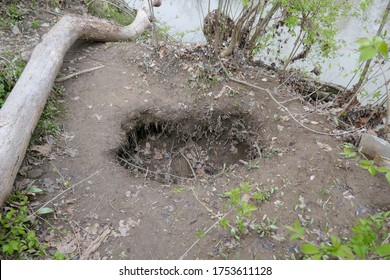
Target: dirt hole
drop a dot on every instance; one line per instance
(172, 146)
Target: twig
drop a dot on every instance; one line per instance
(94, 210)
(52, 13)
(62, 79)
(189, 164)
(323, 206)
(59, 173)
(210, 228)
(284, 107)
(96, 243)
(77, 239)
(119, 211)
(64, 191)
(80, 227)
(204, 205)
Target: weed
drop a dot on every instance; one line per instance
(10, 16)
(107, 10)
(324, 192)
(239, 199)
(10, 70)
(17, 239)
(35, 24)
(47, 124)
(58, 256)
(253, 165)
(373, 169)
(348, 150)
(266, 227)
(369, 241)
(178, 190)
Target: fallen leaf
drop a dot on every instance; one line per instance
(44, 211)
(325, 147)
(42, 149)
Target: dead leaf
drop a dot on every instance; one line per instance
(66, 247)
(42, 149)
(325, 147)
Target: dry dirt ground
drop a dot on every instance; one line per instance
(152, 142)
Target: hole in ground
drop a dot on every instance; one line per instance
(171, 146)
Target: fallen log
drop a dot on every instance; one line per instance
(23, 107)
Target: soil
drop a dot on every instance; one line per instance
(153, 141)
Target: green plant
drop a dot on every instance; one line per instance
(370, 47)
(35, 24)
(239, 199)
(266, 226)
(17, 239)
(369, 240)
(297, 229)
(59, 256)
(119, 14)
(253, 165)
(373, 169)
(47, 124)
(10, 70)
(348, 150)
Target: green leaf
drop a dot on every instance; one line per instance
(309, 249)
(368, 52)
(384, 250)
(290, 228)
(381, 47)
(295, 236)
(44, 211)
(316, 257)
(360, 250)
(344, 252)
(34, 190)
(224, 223)
(365, 42)
(388, 177)
(336, 242)
(372, 170)
(382, 169)
(366, 163)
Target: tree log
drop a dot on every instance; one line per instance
(23, 107)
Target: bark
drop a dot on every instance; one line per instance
(23, 107)
(374, 147)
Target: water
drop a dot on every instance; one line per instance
(185, 20)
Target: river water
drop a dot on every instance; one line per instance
(185, 20)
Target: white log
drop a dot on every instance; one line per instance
(23, 107)
(374, 146)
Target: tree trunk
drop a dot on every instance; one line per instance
(23, 107)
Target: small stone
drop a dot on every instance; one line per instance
(34, 173)
(16, 30)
